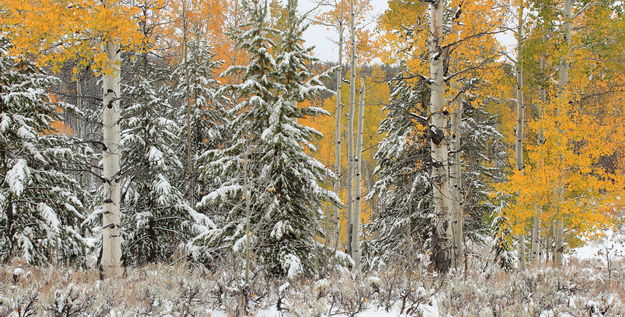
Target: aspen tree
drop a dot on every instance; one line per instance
(459, 53)
(455, 180)
(96, 40)
(542, 95)
(358, 179)
(350, 130)
(439, 146)
(337, 133)
(567, 12)
(335, 19)
(111, 239)
(520, 109)
(535, 239)
(567, 181)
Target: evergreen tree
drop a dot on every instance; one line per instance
(157, 218)
(403, 226)
(208, 117)
(403, 223)
(267, 157)
(41, 204)
(484, 161)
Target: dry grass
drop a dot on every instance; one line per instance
(580, 289)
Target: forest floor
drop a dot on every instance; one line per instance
(591, 283)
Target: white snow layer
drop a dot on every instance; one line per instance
(16, 176)
(609, 247)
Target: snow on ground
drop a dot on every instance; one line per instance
(427, 311)
(592, 285)
(611, 246)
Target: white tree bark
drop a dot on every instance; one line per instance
(111, 219)
(338, 116)
(441, 240)
(520, 107)
(535, 240)
(563, 81)
(542, 93)
(558, 238)
(455, 181)
(358, 176)
(350, 129)
(522, 252)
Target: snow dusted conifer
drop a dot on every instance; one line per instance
(403, 226)
(268, 155)
(295, 173)
(403, 222)
(157, 217)
(41, 208)
(208, 118)
(484, 159)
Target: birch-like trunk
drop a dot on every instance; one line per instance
(350, 129)
(455, 181)
(337, 127)
(542, 94)
(520, 109)
(111, 219)
(441, 237)
(563, 81)
(358, 175)
(534, 241)
(558, 239)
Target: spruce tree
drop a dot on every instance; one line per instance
(41, 204)
(267, 157)
(157, 218)
(403, 223)
(403, 226)
(208, 115)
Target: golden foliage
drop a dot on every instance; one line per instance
(54, 31)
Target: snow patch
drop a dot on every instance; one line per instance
(16, 176)
(293, 265)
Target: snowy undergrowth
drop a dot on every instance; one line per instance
(582, 288)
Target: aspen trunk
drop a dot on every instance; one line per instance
(338, 116)
(111, 240)
(455, 181)
(565, 66)
(536, 241)
(350, 129)
(439, 147)
(558, 243)
(547, 248)
(358, 176)
(522, 252)
(520, 107)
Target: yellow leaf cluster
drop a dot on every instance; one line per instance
(54, 31)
